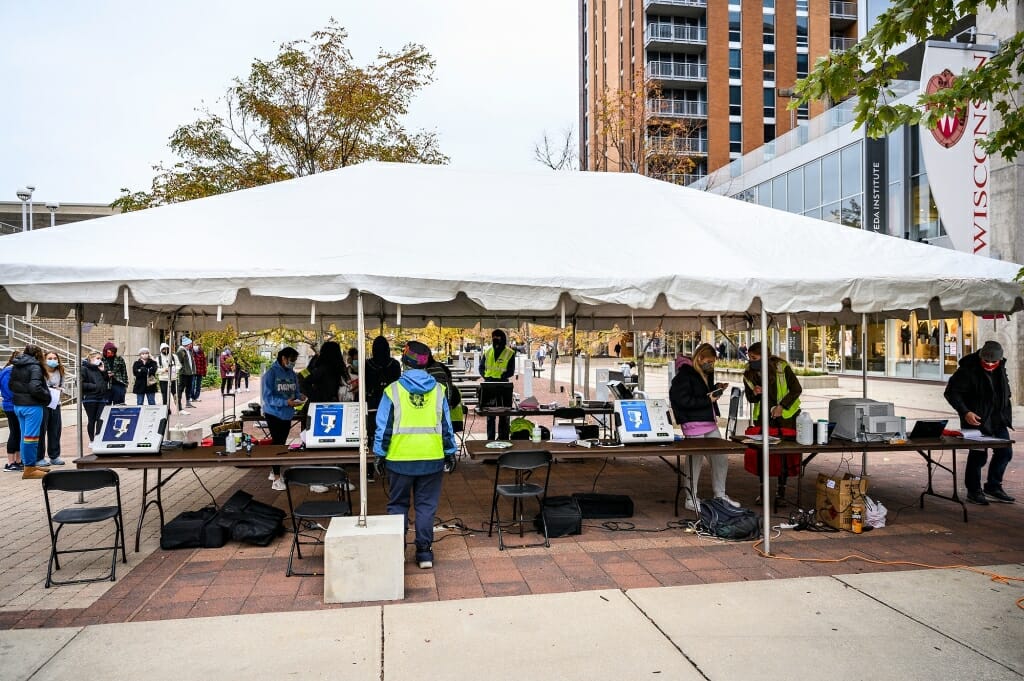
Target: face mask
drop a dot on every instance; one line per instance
(165, 352)
(108, 353)
(289, 364)
(989, 366)
(52, 363)
(755, 363)
(707, 367)
(95, 362)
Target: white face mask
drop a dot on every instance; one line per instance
(95, 362)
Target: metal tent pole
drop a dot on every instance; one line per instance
(361, 331)
(765, 498)
(864, 377)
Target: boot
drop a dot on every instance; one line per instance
(32, 473)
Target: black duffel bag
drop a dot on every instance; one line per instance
(193, 530)
(604, 505)
(251, 521)
(562, 515)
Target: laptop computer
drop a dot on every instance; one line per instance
(928, 429)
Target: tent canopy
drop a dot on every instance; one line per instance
(460, 246)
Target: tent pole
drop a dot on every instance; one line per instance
(78, 363)
(864, 377)
(361, 331)
(765, 498)
(572, 364)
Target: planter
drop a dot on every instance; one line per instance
(735, 377)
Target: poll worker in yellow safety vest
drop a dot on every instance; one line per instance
(414, 443)
(498, 364)
(783, 398)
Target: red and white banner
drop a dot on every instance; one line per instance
(957, 166)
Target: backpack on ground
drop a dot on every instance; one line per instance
(251, 521)
(562, 515)
(193, 530)
(719, 519)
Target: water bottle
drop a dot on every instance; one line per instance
(535, 434)
(903, 427)
(229, 443)
(804, 429)
(822, 432)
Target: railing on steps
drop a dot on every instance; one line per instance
(17, 332)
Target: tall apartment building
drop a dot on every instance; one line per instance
(723, 67)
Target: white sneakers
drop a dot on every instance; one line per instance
(689, 504)
(731, 502)
(278, 485)
(318, 489)
(271, 477)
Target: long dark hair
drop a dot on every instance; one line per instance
(332, 360)
(35, 352)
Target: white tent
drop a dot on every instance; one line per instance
(434, 242)
(449, 244)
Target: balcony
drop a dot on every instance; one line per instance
(678, 71)
(841, 15)
(677, 8)
(675, 108)
(687, 146)
(840, 44)
(676, 37)
(678, 178)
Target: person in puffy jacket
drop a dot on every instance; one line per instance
(13, 464)
(145, 384)
(227, 372)
(280, 391)
(95, 391)
(30, 397)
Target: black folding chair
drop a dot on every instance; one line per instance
(77, 481)
(522, 466)
(735, 402)
(311, 511)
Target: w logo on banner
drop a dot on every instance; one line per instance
(950, 128)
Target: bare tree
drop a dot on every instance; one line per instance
(557, 154)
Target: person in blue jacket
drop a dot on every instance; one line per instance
(414, 443)
(280, 391)
(13, 464)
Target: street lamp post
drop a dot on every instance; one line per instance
(52, 206)
(25, 194)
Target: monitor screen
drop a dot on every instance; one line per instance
(619, 390)
(495, 394)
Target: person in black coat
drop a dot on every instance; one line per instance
(95, 391)
(30, 396)
(979, 390)
(380, 371)
(694, 398)
(144, 370)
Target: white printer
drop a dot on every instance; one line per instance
(863, 420)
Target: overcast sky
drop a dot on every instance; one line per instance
(94, 89)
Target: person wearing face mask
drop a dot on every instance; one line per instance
(498, 364)
(167, 371)
(144, 370)
(117, 370)
(14, 464)
(30, 397)
(280, 391)
(694, 398)
(95, 391)
(979, 390)
(186, 372)
(49, 434)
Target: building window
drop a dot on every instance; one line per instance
(769, 4)
(735, 34)
(764, 194)
(769, 65)
(801, 5)
(769, 132)
(802, 60)
(735, 64)
(735, 101)
(769, 29)
(769, 102)
(803, 112)
(779, 193)
(801, 31)
(812, 185)
(736, 137)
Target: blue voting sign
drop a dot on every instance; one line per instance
(328, 420)
(121, 424)
(635, 417)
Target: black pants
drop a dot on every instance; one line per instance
(279, 429)
(184, 384)
(93, 410)
(502, 427)
(239, 377)
(227, 384)
(163, 390)
(13, 434)
(49, 435)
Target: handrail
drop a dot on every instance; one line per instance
(680, 3)
(677, 107)
(678, 70)
(15, 337)
(681, 33)
(840, 44)
(844, 10)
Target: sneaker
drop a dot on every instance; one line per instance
(349, 486)
(42, 463)
(318, 489)
(19, 466)
(689, 504)
(184, 412)
(998, 494)
(57, 462)
(196, 399)
(977, 497)
(425, 564)
(278, 485)
(271, 477)
(188, 405)
(731, 502)
(11, 468)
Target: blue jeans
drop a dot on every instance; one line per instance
(148, 397)
(31, 420)
(117, 392)
(197, 386)
(976, 459)
(426, 494)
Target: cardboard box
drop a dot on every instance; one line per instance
(190, 434)
(835, 497)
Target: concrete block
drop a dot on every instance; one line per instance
(364, 563)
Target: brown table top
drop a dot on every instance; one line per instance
(478, 450)
(206, 457)
(837, 445)
(542, 411)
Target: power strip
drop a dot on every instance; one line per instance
(787, 526)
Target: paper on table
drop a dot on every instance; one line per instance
(977, 436)
(564, 433)
(54, 398)
(757, 439)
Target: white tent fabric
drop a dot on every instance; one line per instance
(450, 245)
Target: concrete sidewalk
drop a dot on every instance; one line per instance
(931, 624)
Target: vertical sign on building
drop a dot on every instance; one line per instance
(876, 185)
(958, 168)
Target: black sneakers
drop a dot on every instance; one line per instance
(977, 497)
(998, 494)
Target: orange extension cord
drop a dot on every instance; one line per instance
(1002, 579)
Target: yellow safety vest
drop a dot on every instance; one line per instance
(495, 368)
(418, 419)
(781, 390)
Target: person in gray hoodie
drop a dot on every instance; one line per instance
(414, 443)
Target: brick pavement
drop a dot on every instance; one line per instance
(245, 579)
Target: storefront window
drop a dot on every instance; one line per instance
(830, 178)
(812, 185)
(926, 349)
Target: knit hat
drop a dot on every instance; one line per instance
(991, 351)
(186, 341)
(415, 355)
(164, 345)
(144, 350)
